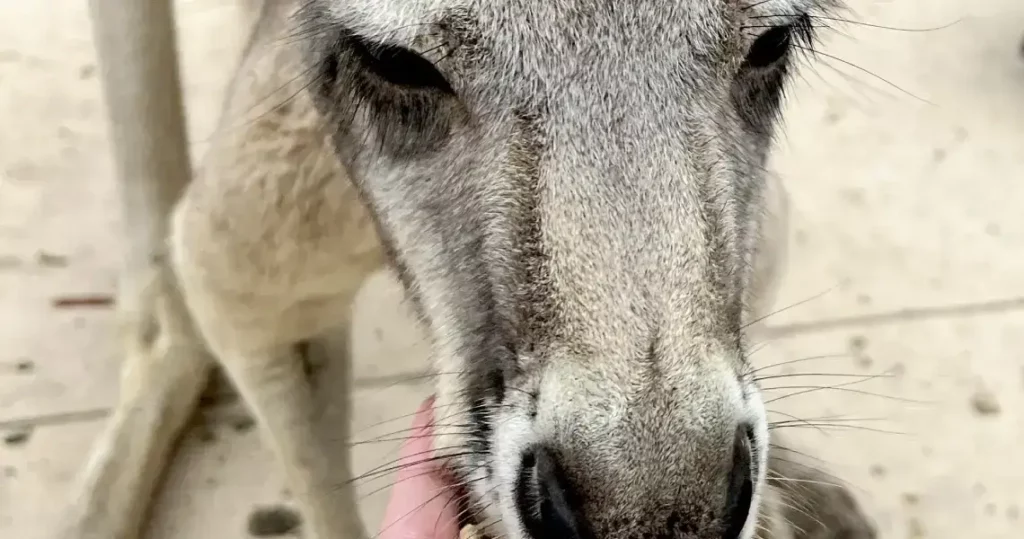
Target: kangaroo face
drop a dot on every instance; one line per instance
(570, 190)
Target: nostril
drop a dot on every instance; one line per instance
(741, 484)
(548, 506)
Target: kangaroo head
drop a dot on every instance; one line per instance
(570, 190)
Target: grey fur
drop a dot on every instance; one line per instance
(577, 226)
(579, 212)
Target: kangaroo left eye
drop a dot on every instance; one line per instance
(770, 47)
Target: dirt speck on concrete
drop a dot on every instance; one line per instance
(87, 71)
(898, 370)
(985, 403)
(915, 529)
(25, 366)
(17, 437)
(857, 346)
(273, 521)
(858, 343)
(51, 260)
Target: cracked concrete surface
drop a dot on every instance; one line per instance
(904, 155)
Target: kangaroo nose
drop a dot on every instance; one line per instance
(741, 483)
(547, 503)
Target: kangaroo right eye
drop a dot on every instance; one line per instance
(770, 47)
(400, 66)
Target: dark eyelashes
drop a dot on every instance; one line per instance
(398, 66)
(769, 47)
(408, 70)
(397, 90)
(776, 44)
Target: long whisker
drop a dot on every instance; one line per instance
(788, 307)
(858, 23)
(441, 492)
(777, 447)
(804, 510)
(819, 374)
(781, 479)
(835, 427)
(863, 70)
(801, 360)
(392, 466)
(813, 389)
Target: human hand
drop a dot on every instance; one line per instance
(422, 503)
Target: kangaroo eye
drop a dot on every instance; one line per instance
(770, 47)
(400, 66)
(776, 44)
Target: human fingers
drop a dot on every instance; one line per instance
(422, 504)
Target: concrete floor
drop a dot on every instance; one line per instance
(908, 235)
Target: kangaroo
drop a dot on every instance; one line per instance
(574, 197)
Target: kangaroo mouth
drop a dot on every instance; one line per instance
(465, 512)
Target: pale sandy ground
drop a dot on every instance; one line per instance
(907, 216)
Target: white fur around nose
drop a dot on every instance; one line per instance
(514, 434)
(757, 416)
